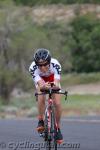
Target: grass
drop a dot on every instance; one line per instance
(73, 101)
(80, 101)
(23, 103)
(19, 107)
(82, 104)
(75, 105)
(82, 78)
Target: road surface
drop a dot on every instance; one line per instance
(80, 133)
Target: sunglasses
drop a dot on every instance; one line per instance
(40, 65)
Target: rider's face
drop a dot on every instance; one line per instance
(44, 67)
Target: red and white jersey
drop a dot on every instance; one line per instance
(52, 74)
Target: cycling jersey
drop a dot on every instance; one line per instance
(53, 72)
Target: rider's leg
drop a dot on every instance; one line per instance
(58, 108)
(58, 111)
(41, 108)
(40, 104)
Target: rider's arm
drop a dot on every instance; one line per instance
(57, 74)
(34, 72)
(57, 83)
(36, 78)
(43, 85)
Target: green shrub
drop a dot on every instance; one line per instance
(85, 45)
(45, 2)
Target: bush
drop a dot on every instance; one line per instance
(85, 45)
(45, 2)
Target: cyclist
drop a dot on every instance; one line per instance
(45, 70)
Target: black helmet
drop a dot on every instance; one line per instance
(42, 55)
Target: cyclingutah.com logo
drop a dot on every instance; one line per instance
(35, 146)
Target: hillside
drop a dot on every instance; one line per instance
(42, 14)
(24, 28)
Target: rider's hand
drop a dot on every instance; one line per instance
(47, 85)
(52, 85)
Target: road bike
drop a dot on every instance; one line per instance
(50, 125)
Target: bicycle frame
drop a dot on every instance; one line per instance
(50, 111)
(50, 125)
(50, 119)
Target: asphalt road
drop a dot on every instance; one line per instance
(80, 133)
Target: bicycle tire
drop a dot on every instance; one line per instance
(50, 139)
(53, 128)
(46, 133)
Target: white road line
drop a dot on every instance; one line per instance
(81, 120)
(62, 119)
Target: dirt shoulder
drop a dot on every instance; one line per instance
(84, 89)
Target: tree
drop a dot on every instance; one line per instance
(85, 44)
(11, 58)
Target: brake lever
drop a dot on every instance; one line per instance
(36, 96)
(66, 93)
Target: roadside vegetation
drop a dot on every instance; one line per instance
(75, 42)
(76, 105)
(45, 2)
(81, 105)
(82, 78)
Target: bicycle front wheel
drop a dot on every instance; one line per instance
(53, 128)
(47, 136)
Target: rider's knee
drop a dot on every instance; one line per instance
(57, 103)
